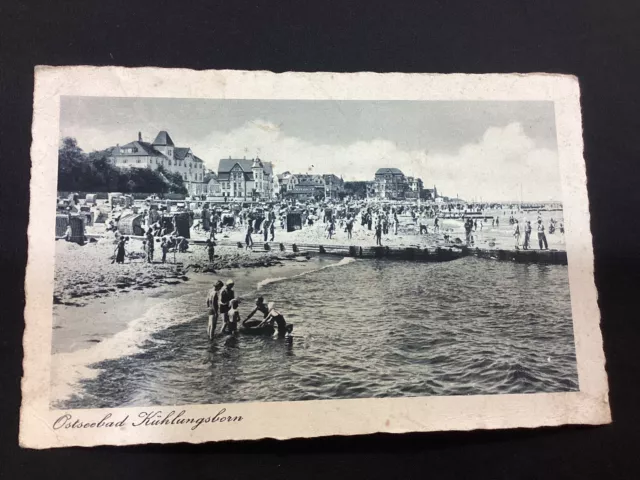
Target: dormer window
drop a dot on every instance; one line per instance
(170, 152)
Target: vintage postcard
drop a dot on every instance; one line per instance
(222, 255)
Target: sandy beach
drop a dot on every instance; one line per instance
(487, 235)
(87, 271)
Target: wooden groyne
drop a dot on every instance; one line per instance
(418, 254)
(415, 253)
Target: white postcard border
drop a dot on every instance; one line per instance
(283, 420)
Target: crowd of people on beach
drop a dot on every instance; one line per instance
(339, 220)
(542, 238)
(222, 301)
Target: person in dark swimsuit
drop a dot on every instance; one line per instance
(276, 317)
(227, 295)
(213, 304)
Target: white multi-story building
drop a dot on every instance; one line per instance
(246, 179)
(140, 154)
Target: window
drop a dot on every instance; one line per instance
(138, 161)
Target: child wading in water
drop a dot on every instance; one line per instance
(234, 318)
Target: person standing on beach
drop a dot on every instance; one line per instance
(330, 228)
(349, 227)
(272, 229)
(206, 218)
(120, 252)
(423, 224)
(497, 221)
(516, 233)
(150, 245)
(468, 227)
(379, 234)
(248, 241)
(542, 239)
(214, 225)
(226, 296)
(211, 250)
(395, 222)
(213, 304)
(527, 235)
(164, 246)
(265, 229)
(436, 225)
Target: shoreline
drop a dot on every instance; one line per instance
(86, 272)
(78, 328)
(97, 332)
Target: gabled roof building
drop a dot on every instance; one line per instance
(246, 179)
(162, 151)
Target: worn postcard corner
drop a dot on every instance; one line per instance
(230, 255)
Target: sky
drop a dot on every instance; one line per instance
(479, 150)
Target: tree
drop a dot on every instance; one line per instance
(357, 189)
(94, 172)
(176, 184)
(71, 163)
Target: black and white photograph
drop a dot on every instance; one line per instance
(231, 251)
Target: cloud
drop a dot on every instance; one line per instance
(503, 164)
(493, 168)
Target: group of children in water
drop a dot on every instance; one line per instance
(222, 301)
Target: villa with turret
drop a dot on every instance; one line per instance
(162, 151)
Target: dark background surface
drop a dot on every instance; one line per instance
(597, 41)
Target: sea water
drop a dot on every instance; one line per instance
(362, 328)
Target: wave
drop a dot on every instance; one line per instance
(267, 281)
(68, 369)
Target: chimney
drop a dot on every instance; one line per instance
(139, 136)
